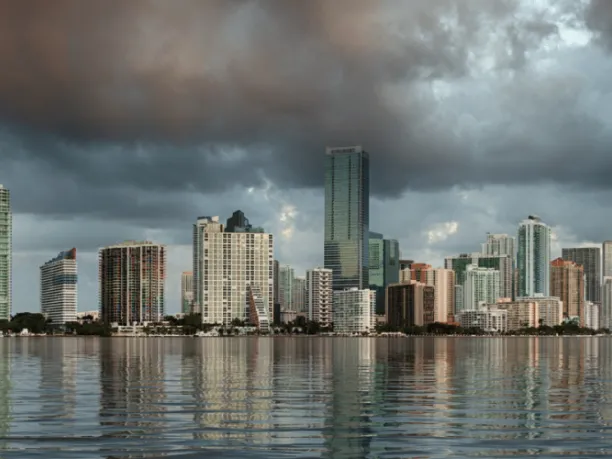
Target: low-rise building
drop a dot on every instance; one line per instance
(550, 309)
(521, 314)
(487, 318)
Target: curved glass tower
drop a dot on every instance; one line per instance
(347, 216)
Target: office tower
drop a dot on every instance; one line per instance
(405, 264)
(533, 257)
(347, 216)
(286, 274)
(6, 254)
(443, 282)
(132, 282)
(354, 310)
(276, 280)
(606, 303)
(298, 295)
(482, 285)
(500, 244)
(501, 263)
(607, 259)
(320, 295)
(384, 266)
(567, 283)
(590, 259)
(230, 271)
(410, 303)
(58, 288)
(187, 292)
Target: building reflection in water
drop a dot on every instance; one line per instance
(5, 392)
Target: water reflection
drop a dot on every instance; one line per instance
(305, 397)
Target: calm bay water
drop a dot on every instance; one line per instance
(305, 397)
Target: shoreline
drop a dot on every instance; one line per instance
(309, 336)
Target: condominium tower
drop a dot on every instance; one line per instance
(500, 244)
(607, 259)
(443, 282)
(6, 253)
(286, 275)
(132, 282)
(482, 285)
(320, 295)
(347, 216)
(384, 266)
(233, 273)
(590, 259)
(533, 257)
(567, 283)
(187, 292)
(58, 288)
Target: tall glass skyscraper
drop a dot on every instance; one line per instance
(384, 266)
(347, 216)
(533, 257)
(6, 231)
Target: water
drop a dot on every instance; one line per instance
(305, 397)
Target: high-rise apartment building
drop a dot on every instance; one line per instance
(187, 292)
(320, 295)
(567, 283)
(384, 266)
(590, 259)
(592, 316)
(347, 216)
(521, 314)
(354, 311)
(410, 303)
(500, 244)
(443, 282)
(232, 272)
(286, 275)
(499, 262)
(606, 269)
(276, 272)
(298, 295)
(58, 288)
(533, 257)
(6, 254)
(606, 303)
(482, 285)
(132, 279)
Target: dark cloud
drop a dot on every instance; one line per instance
(156, 93)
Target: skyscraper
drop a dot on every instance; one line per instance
(6, 254)
(499, 262)
(298, 295)
(607, 259)
(384, 266)
(533, 257)
(320, 295)
(187, 292)
(233, 273)
(500, 244)
(590, 259)
(58, 288)
(567, 283)
(443, 282)
(606, 303)
(286, 275)
(347, 216)
(481, 285)
(132, 282)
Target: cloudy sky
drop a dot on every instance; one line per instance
(126, 120)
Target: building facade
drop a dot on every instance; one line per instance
(443, 282)
(298, 295)
(354, 311)
(58, 288)
(521, 314)
(592, 315)
(487, 318)
(606, 254)
(550, 309)
(590, 259)
(606, 303)
(347, 216)
(500, 262)
(482, 285)
(225, 266)
(410, 303)
(567, 283)
(384, 266)
(286, 275)
(187, 292)
(132, 279)
(533, 257)
(6, 254)
(320, 296)
(500, 244)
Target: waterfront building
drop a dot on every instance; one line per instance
(347, 216)
(320, 295)
(487, 318)
(286, 275)
(607, 259)
(410, 303)
(298, 295)
(58, 288)
(550, 308)
(606, 303)
(187, 292)
(590, 260)
(482, 285)
(384, 266)
(6, 254)
(93, 315)
(567, 283)
(533, 257)
(500, 244)
(443, 282)
(591, 315)
(132, 278)
(225, 266)
(521, 314)
(354, 311)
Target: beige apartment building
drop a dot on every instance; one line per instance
(443, 282)
(567, 283)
